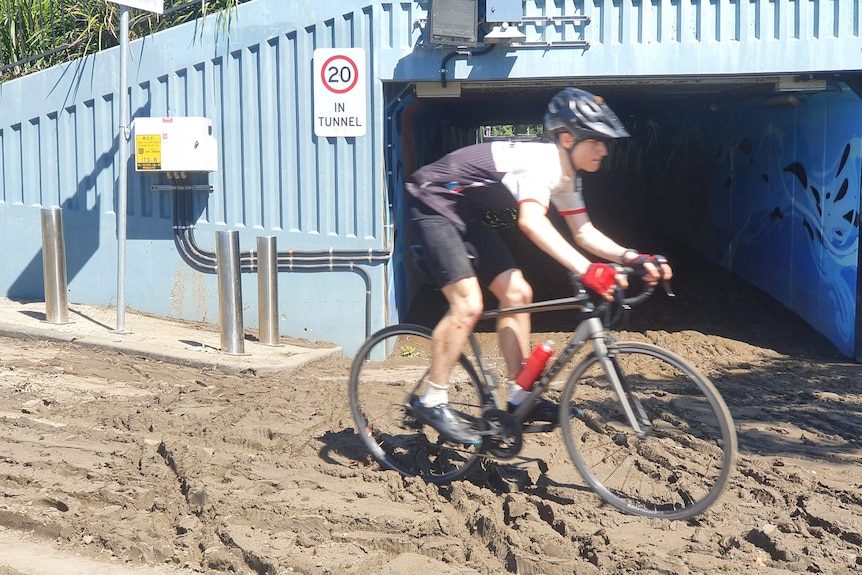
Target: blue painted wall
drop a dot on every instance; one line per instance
(59, 130)
(59, 142)
(786, 197)
(771, 193)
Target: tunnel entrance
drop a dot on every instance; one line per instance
(709, 174)
(621, 197)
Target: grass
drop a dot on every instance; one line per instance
(38, 34)
(408, 351)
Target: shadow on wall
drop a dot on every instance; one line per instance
(87, 212)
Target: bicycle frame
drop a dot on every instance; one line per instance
(684, 440)
(590, 328)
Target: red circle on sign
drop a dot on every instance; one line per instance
(355, 75)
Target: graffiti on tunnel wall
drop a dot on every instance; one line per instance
(830, 219)
(771, 193)
(784, 201)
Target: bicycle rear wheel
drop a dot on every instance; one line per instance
(391, 366)
(680, 464)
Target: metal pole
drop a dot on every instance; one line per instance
(54, 266)
(230, 292)
(267, 290)
(122, 171)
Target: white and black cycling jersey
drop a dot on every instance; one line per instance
(496, 176)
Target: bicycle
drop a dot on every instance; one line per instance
(647, 431)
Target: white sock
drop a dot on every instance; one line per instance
(517, 394)
(435, 395)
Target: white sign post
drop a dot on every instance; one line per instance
(123, 152)
(157, 6)
(340, 98)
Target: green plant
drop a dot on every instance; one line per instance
(517, 130)
(408, 351)
(93, 26)
(37, 34)
(27, 27)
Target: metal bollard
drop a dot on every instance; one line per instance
(54, 266)
(230, 293)
(267, 290)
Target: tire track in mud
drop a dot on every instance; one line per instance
(215, 436)
(804, 506)
(264, 475)
(87, 438)
(263, 443)
(523, 533)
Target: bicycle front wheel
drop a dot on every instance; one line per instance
(391, 366)
(679, 463)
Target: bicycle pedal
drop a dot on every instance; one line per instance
(538, 427)
(409, 422)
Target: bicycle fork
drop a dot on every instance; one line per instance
(632, 408)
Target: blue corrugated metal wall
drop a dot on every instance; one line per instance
(632, 38)
(275, 177)
(58, 134)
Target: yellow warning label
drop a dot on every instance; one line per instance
(148, 153)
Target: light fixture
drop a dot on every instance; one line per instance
(505, 34)
(454, 22)
(799, 84)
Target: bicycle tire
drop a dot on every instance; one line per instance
(390, 366)
(681, 465)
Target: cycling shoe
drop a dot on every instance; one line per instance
(446, 422)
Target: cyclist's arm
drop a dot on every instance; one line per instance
(587, 236)
(591, 239)
(570, 205)
(533, 221)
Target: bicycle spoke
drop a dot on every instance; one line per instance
(679, 463)
(392, 366)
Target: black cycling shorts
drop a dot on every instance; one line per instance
(452, 254)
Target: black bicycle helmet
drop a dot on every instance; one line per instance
(585, 116)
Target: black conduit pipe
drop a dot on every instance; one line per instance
(450, 55)
(288, 261)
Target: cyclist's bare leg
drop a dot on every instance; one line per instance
(447, 345)
(451, 333)
(511, 289)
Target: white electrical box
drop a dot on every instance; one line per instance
(511, 11)
(183, 144)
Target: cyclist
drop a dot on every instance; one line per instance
(445, 201)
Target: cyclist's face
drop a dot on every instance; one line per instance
(587, 155)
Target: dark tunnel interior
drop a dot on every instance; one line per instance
(645, 196)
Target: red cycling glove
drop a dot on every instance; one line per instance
(599, 277)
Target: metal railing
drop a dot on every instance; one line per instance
(38, 34)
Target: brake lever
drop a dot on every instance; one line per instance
(620, 299)
(580, 291)
(667, 288)
(665, 283)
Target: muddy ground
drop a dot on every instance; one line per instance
(144, 463)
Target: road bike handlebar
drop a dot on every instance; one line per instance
(620, 298)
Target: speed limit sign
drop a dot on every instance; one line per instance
(340, 99)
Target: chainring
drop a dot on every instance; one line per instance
(503, 437)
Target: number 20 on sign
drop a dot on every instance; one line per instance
(340, 100)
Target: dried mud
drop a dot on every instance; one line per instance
(146, 463)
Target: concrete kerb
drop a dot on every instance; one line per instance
(157, 338)
(214, 359)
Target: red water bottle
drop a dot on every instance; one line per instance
(534, 366)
